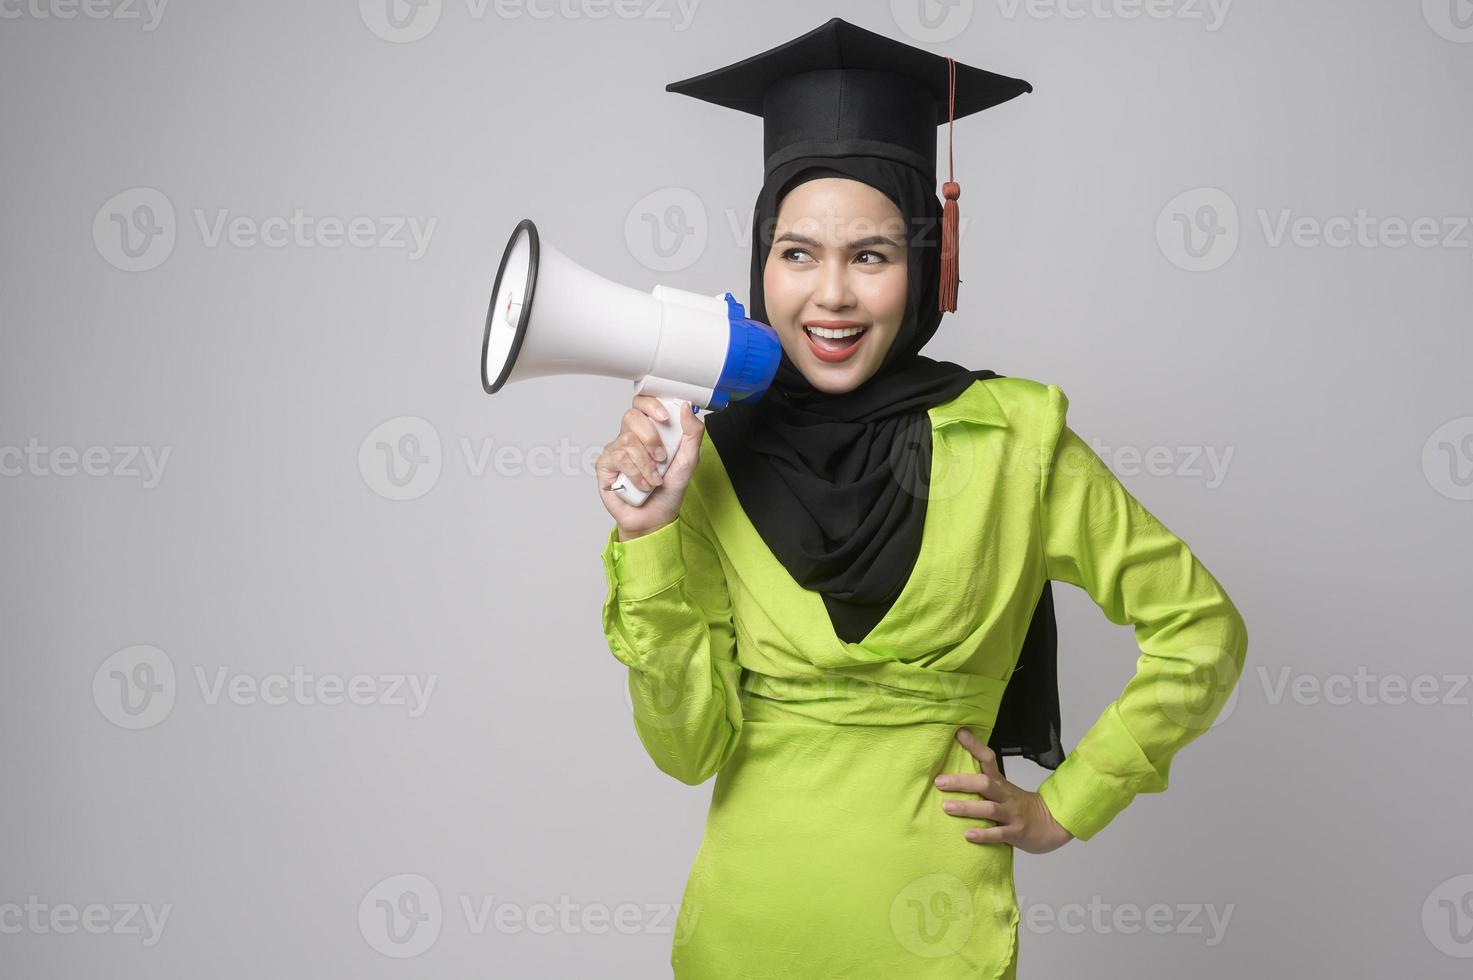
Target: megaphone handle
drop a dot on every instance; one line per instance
(670, 434)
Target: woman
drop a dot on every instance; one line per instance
(826, 595)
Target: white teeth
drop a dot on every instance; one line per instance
(835, 334)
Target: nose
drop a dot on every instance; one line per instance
(832, 290)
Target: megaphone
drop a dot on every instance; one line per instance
(549, 315)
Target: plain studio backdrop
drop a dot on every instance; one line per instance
(301, 628)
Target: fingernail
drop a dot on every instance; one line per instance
(973, 835)
(949, 807)
(942, 780)
(660, 453)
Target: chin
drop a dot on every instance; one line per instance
(835, 381)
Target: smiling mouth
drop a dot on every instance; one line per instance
(833, 343)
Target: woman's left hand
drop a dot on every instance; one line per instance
(1021, 817)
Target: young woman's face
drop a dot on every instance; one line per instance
(838, 262)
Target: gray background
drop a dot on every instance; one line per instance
(1332, 830)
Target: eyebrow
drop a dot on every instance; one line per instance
(857, 243)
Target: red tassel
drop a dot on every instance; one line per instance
(950, 215)
(950, 270)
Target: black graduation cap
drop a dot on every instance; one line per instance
(841, 90)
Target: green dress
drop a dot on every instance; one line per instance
(826, 852)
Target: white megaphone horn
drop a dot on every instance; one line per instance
(549, 316)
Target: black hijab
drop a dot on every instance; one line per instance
(836, 484)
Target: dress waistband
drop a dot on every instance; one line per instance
(926, 697)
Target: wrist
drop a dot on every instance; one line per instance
(630, 535)
(1057, 831)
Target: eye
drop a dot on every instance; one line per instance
(788, 253)
(881, 258)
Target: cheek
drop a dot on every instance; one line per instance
(781, 291)
(884, 297)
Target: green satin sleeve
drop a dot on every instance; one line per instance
(668, 618)
(1192, 639)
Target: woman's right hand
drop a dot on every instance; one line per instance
(635, 451)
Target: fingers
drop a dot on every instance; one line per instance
(969, 782)
(999, 799)
(637, 424)
(691, 427)
(976, 809)
(638, 445)
(687, 450)
(639, 450)
(634, 462)
(986, 758)
(1001, 834)
(652, 407)
(1004, 827)
(988, 783)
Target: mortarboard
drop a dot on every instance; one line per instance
(841, 90)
